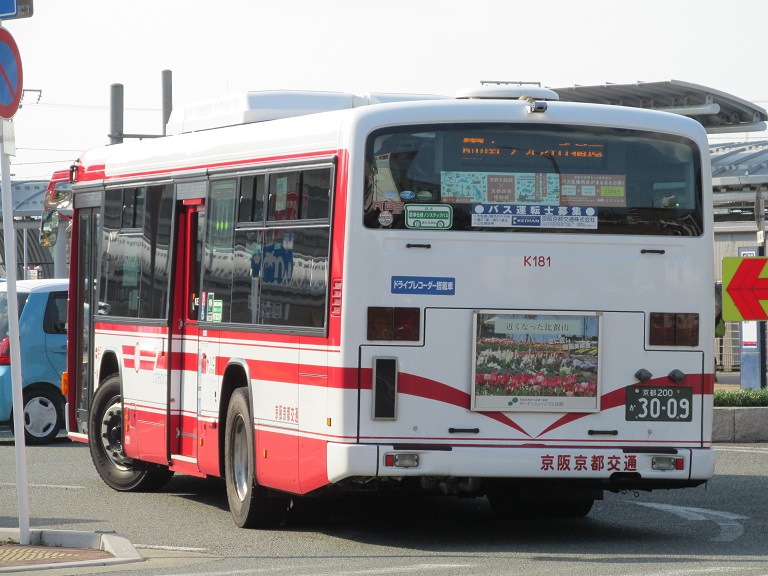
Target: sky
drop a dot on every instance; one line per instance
(73, 51)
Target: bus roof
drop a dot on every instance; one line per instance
(266, 105)
(280, 126)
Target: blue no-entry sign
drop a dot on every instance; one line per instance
(8, 9)
(11, 77)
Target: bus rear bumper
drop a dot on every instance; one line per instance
(625, 466)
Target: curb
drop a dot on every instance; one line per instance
(740, 425)
(117, 545)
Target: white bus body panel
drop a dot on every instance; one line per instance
(601, 274)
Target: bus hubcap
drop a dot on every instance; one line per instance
(112, 435)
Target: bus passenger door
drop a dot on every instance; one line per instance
(81, 315)
(185, 359)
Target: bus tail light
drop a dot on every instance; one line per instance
(402, 460)
(5, 352)
(667, 463)
(674, 329)
(400, 324)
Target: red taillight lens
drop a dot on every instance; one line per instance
(407, 324)
(401, 324)
(674, 329)
(687, 329)
(380, 323)
(5, 352)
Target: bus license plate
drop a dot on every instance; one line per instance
(659, 403)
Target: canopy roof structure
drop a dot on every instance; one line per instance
(739, 172)
(717, 111)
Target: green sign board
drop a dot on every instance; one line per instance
(428, 216)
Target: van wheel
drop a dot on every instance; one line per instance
(249, 503)
(43, 415)
(105, 439)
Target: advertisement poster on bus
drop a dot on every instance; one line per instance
(536, 362)
(534, 188)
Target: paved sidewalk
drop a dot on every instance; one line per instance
(63, 548)
(15, 555)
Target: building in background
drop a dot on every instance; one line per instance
(739, 176)
(33, 260)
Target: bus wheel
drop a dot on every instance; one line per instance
(105, 439)
(249, 503)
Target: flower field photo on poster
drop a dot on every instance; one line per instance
(536, 362)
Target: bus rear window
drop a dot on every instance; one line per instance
(523, 178)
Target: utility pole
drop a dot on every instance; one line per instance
(117, 110)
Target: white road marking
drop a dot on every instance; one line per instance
(171, 548)
(683, 572)
(46, 486)
(415, 568)
(730, 529)
(750, 449)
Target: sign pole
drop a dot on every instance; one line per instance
(761, 332)
(9, 236)
(12, 74)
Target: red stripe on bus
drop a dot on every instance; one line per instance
(98, 172)
(432, 390)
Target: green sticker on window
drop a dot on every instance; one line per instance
(428, 216)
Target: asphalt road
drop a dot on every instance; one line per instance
(186, 529)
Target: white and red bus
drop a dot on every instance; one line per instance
(497, 294)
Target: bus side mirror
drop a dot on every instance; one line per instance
(49, 228)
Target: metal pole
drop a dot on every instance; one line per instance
(762, 332)
(761, 325)
(9, 234)
(116, 107)
(25, 272)
(167, 77)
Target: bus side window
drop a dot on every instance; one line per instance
(217, 252)
(283, 196)
(315, 194)
(251, 203)
(246, 279)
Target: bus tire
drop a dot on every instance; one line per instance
(105, 440)
(249, 503)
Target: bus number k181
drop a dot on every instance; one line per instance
(537, 261)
